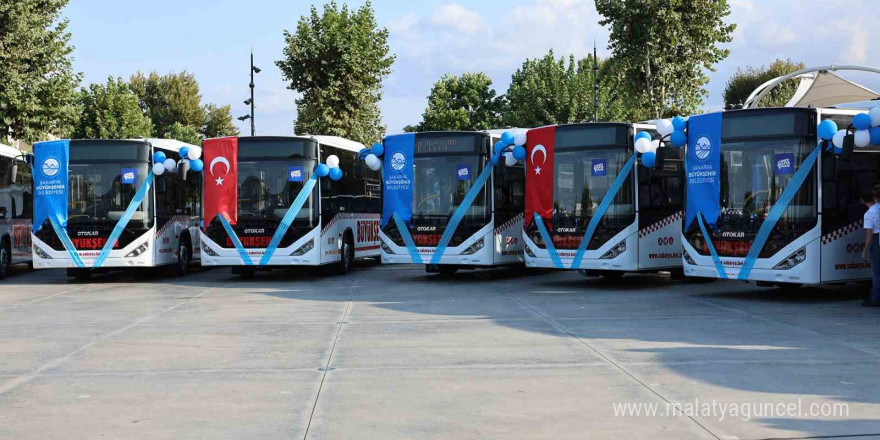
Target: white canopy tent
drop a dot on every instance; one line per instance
(818, 87)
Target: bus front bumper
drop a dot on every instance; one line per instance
(133, 255)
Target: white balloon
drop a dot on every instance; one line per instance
(837, 140)
(194, 152)
(519, 139)
(509, 160)
(664, 127)
(333, 161)
(373, 162)
(643, 145)
(170, 164)
(862, 138)
(875, 116)
(158, 169)
(655, 144)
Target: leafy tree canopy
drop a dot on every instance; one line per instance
(745, 81)
(466, 102)
(111, 111)
(663, 48)
(37, 82)
(170, 98)
(337, 59)
(218, 122)
(184, 133)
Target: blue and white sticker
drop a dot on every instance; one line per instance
(599, 168)
(463, 172)
(296, 174)
(129, 176)
(784, 163)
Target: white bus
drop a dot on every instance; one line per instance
(446, 167)
(105, 180)
(779, 222)
(16, 206)
(591, 207)
(284, 213)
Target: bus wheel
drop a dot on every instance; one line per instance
(246, 272)
(5, 259)
(676, 274)
(447, 270)
(345, 264)
(80, 274)
(184, 257)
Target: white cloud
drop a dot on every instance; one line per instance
(457, 16)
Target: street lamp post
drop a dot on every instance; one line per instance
(250, 101)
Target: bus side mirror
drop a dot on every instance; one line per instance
(849, 143)
(644, 175)
(160, 185)
(829, 169)
(183, 168)
(13, 173)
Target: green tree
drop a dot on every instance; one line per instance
(111, 111)
(37, 82)
(337, 60)
(466, 102)
(218, 122)
(745, 81)
(170, 98)
(662, 50)
(184, 133)
(549, 91)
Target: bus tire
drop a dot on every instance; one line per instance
(5, 257)
(347, 258)
(80, 274)
(676, 274)
(184, 256)
(446, 270)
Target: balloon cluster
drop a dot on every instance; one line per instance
(371, 156)
(866, 126)
(673, 129)
(163, 164)
(330, 168)
(512, 146)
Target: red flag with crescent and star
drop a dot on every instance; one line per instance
(221, 179)
(539, 173)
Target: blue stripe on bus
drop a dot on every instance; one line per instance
(460, 212)
(407, 238)
(242, 253)
(719, 267)
(548, 242)
(288, 218)
(123, 221)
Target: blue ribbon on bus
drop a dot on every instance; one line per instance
(717, 260)
(136, 201)
(459, 213)
(797, 180)
(407, 238)
(289, 217)
(242, 252)
(68, 245)
(548, 242)
(600, 211)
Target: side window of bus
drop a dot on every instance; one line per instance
(193, 194)
(662, 195)
(510, 192)
(170, 202)
(23, 192)
(843, 181)
(5, 192)
(334, 194)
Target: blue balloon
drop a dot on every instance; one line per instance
(679, 123)
(642, 134)
(159, 157)
(837, 150)
(678, 139)
(335, 173)
(827, 128)
(377, 149)
(322, 170)
(507, 138)
(649, 159)
(861, 121)
(183, 152)
(519, 152)
(875, 136)
(196, 165)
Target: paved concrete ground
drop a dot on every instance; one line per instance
(392, 353)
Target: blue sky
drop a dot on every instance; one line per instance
(212, 39)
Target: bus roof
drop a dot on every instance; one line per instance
(338, 142)
(166, 144)
(8, 151)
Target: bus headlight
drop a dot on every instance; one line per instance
(688, 259)
(474, 247)
(304, 249)
(41, 253)
(208, 250)
(792, 260)
(529, 252)
(615, 251)
(138, 250)
(385, 247)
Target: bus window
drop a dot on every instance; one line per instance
(510, 190)
(662, 195)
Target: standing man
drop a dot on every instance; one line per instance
(872, 246)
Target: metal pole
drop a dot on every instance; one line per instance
(595, 85)
(253, 126)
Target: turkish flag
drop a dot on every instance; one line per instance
(539, 173)
(221, 179)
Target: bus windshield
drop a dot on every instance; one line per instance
(98, 194)
(266, 190)
(440, 186)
